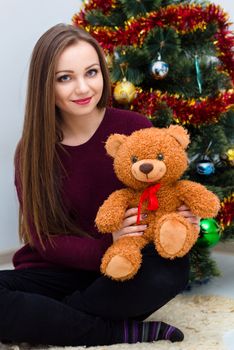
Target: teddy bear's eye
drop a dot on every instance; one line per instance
(134, 159)
(160, 156)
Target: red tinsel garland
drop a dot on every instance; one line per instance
(225, 46)
(226, 213)
(104, 6)
(190, 111)
(183, 18)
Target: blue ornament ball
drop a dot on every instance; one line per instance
(205, 167)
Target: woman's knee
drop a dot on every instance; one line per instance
(182, 273)
(163, 275)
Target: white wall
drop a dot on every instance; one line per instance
(21, 24)
(228, 6)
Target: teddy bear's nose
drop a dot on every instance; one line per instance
(146, 168)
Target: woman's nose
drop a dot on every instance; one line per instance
(81, 86)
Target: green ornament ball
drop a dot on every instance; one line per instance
(209, 233)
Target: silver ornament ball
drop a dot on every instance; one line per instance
(159, 69)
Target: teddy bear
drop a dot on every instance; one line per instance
(150, 163)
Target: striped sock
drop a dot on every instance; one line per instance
(142, 332)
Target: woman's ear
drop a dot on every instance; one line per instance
(113, 143)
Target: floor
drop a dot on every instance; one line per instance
(223, 285)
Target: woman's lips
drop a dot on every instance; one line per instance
(83, 101)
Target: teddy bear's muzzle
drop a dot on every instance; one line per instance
(148, 170)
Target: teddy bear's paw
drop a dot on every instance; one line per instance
(172, 240)
(119, 268)
(174, 237)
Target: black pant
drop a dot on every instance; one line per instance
(72, 307)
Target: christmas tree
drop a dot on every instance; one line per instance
(173, 61)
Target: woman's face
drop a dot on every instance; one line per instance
(78, 81)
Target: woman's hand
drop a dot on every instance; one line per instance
(186, 213)
(129, 227)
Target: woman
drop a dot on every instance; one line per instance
(56, 294)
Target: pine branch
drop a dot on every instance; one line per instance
(98, 18)
(134, 8)
(200, 42)
(164, 41)
(203, 267)
(128, 63)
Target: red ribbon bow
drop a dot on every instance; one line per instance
(150, 195)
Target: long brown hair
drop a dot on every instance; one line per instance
(36, 157)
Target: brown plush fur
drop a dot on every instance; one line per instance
(147, 157)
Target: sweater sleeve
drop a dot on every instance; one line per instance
(68, 250)
(72, 251)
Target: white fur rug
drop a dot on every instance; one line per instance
(203, 319)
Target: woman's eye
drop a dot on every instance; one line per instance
(160, 156)
(92, 72)
(64, 78)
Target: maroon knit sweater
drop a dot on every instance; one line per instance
(90, 180)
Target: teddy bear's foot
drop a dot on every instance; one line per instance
(175, 236)
(123, 258)
(119, 268)
(172, 240)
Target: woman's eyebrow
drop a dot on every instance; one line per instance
(71, 71)
(94, 64)
(65, 71)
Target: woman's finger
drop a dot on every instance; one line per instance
(130, 212)
(183, 207)
(194, 221)
(186, 213)
(133, 229)
(132, 234)
(131, 220)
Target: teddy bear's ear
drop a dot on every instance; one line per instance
(113, 143)
(180, 134)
